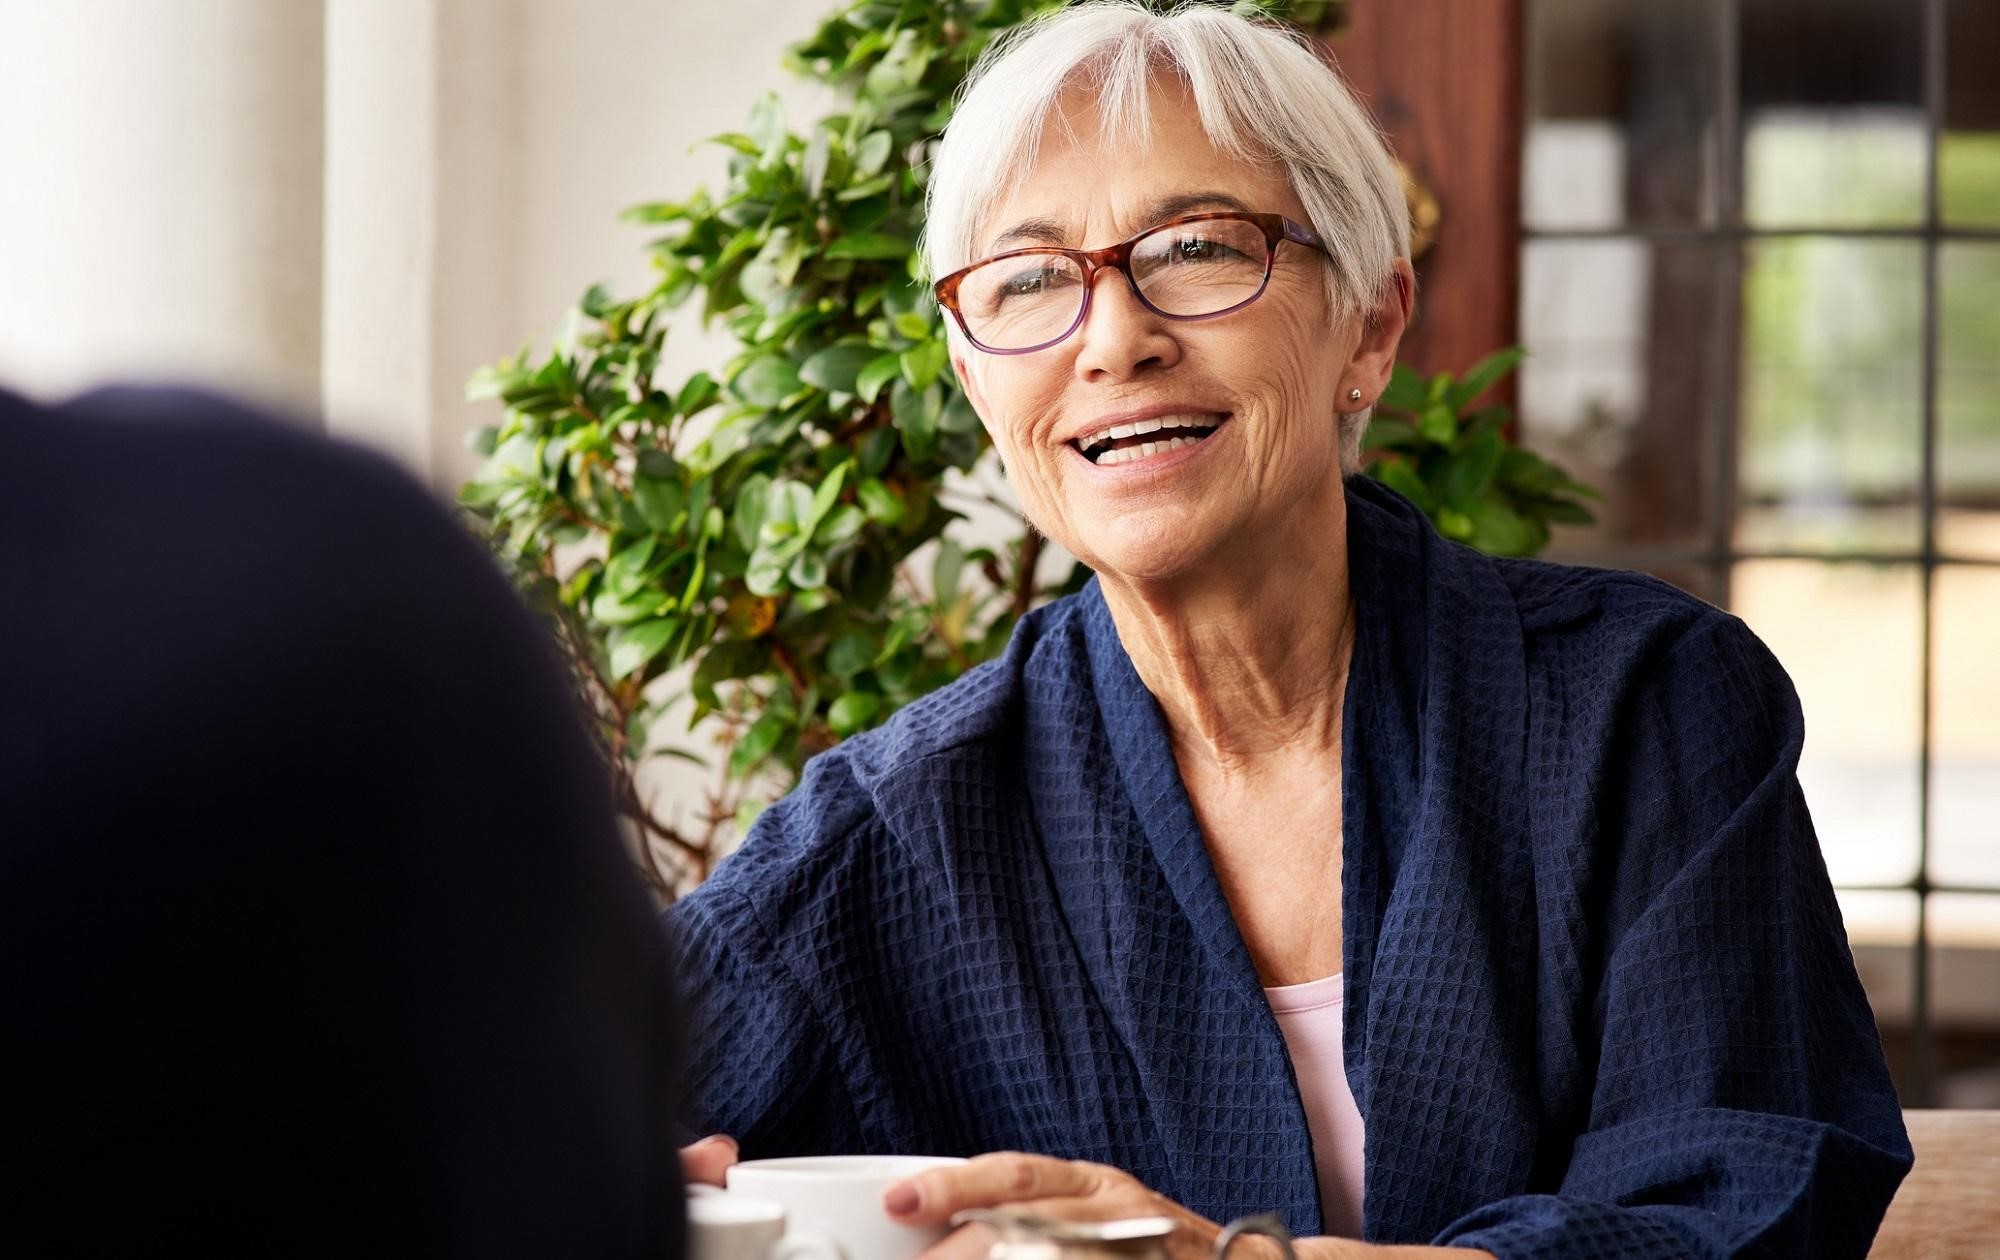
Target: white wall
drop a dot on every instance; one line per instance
(468, 225)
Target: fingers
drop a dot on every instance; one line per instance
(931, 1197)
(705, 1162)
(972, 1242)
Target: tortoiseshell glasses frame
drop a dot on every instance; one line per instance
(1276, 229)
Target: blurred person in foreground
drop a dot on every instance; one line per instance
(319, 937)
(1304, 861)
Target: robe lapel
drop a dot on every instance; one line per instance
(1163, 954)
(1439, 899)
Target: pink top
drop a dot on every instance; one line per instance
(1309, 1016)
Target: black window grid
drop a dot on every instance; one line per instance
(1720, 554)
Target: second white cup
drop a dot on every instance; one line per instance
(833, 1204)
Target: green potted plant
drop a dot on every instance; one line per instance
(762, 522)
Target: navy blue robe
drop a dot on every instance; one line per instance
(1599, 998)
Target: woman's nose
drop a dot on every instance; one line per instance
(1120, 336)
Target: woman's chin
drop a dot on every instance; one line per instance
(1150, 547)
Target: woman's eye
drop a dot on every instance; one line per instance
(1029, 283)
(1202, 249)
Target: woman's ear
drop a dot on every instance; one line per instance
(1374, 356)
(963, 371)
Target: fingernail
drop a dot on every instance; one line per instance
(900, 1200)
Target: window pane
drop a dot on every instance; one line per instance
(1621, 113)
(1833, 119)
(1965, 727)
(1848, 634)
(1964, 934)
(1621, 382)
(1831, 412)
(1968, 399)
(1969, 146)
(1882, 930)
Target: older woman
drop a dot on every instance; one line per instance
(1304, 861)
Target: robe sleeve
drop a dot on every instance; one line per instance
(761, 1066)
(1741, 1105)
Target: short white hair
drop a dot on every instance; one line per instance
(1261, 92)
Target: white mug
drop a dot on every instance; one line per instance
(833, 1204)
(724, 1226)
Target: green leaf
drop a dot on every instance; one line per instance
(850, 654)
(612, 609)
(852, 712)
(1563, 512)
(765, 576)
(1386, 434)
(916, 415)
(625, 572)
(880, 371)
(945, 571)
(767, 124)
(1405, 391)
(756, 744)
(1397, 474)
(873, 152)
(841, 524)
(655, 461)
(634, 647)
(1471, 469)
(732, 658)
(597, 302)
(660, 501)
(1438, 424)
(812, 167)
(1499, 530)
(880, 502)
(787, 502)
(877, 449)
(697, 393)
(825, 497)
(922, 364)
(958, 415)
(912, 325)
(838, 368)
(869, 245)
(767, 380)
(808, 571)
(1455, 524)
(751, 499)
(1483, 376)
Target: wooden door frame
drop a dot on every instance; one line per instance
(1444, 80)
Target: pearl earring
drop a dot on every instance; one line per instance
(1354, 395)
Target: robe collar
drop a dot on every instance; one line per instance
(1433, 740)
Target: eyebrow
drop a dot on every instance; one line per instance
(1045, 231)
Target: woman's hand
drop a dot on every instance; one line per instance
(1058, 1188)
(704, 1163)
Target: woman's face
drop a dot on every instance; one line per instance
(1271, 377)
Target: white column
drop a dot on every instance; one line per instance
(160, 194)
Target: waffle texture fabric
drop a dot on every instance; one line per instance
(1599, 1000)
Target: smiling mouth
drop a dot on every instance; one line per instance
(1123, 443)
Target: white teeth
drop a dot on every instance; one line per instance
(1142, 450)
(1184, 420)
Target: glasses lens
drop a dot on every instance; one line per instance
(1201, 268)
(1015, 303)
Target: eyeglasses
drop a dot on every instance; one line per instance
(1196, 267)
